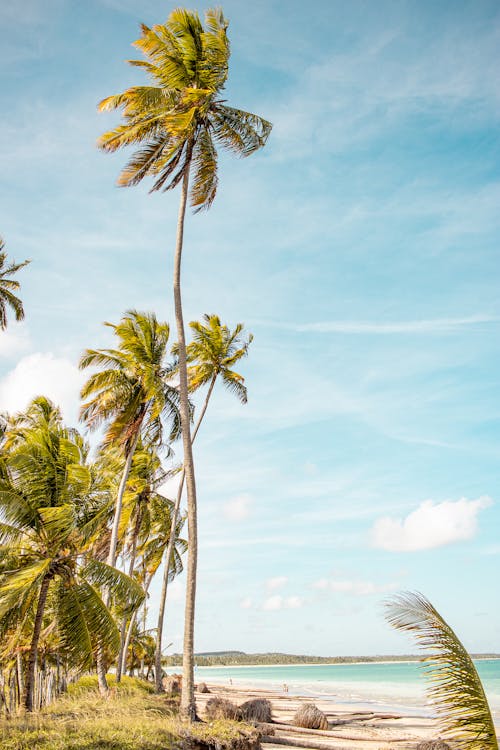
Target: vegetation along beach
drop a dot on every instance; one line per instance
(249, 383)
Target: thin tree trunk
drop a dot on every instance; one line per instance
(113, 544)
(130, 628)
(119, 501)
(33, 653)
(135, 535)
(188, 705)
(170, 551)
(20, 673)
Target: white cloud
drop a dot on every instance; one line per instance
(14, 340)
(246, 603)
(42, 374)
(277, 602)
(238, 508)
(357, 588)
(276, 583)
(430, 525)
(436, 325)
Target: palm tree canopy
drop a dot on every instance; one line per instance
(45, 535)
(8, 286)
(181, 118)
(455, 690)
(132, 389)
(213, 352)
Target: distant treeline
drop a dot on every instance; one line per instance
(235, 658)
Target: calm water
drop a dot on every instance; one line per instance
(383, 685)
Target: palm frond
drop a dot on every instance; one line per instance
(455, 688)
(241, 132)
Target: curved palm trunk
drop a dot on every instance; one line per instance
(170, 551)
(119, 500)
(188, 706)
(101, 665)
(29, 686)
(135, 535)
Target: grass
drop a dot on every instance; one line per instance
(132, 718)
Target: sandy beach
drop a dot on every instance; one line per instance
(351, 728)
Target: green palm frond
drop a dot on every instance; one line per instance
(124, 588)
(455, 689)
(22, 584)
(8, 286)
(83, 619)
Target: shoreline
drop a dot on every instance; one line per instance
(353, 726)
(276, 665)
(305, 664)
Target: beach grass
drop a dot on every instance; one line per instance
(132, 718)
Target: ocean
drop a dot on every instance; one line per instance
(377, 685)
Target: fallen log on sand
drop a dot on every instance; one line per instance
(290, 729)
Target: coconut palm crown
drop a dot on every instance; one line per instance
(132, 391)
(213, 352)
(181, 119)
(8, 286)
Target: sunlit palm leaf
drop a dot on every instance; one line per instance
(455, 689)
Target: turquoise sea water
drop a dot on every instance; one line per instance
(381, 685)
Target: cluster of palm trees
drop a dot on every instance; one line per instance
(83, 531)
(90, 513)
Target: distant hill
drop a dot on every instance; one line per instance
(240, 658)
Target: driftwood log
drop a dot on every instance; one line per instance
(289, 729)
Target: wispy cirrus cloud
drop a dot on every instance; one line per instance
(354, 587)
(432, 325)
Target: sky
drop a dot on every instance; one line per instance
(361, 249)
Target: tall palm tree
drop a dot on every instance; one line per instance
(8, 286)
(456, 691)
(178, 122)
(46, 507)
(133, 396)
(212, 353)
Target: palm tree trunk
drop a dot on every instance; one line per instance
(135, 535)
(119, 501)
(20, 673)
(170, 550)
(29, 686)
(131, 624)
(188, 705)
(113, 544)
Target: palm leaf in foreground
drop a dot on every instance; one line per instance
(455, 689)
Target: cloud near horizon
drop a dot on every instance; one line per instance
(431, 525)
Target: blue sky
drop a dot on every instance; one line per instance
(361, 249)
